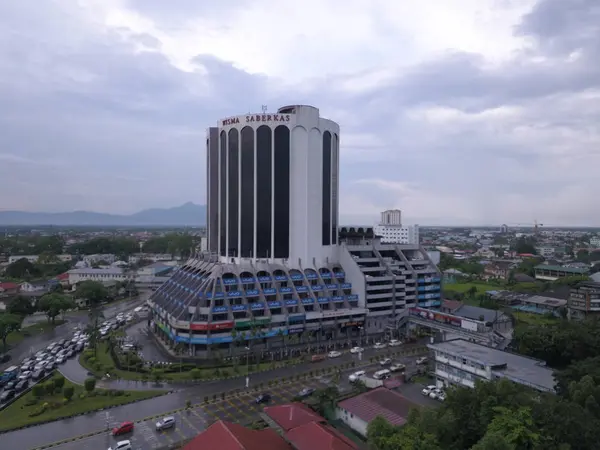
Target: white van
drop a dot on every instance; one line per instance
(382, 374)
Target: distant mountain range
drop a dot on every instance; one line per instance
(188, 214)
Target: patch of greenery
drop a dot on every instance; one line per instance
(58, 398)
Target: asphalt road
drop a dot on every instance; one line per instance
(35, 343)
(241, 409)
(65, 429)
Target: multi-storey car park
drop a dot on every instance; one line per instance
(278, 263)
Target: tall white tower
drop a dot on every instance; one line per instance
(273, 186)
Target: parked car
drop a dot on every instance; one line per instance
(357, 350)
(385, 362)
(379, 345)
(334, 354)
(356, 375)
(7, 395)
(436, 393)
(60, 359)
(422, 360)
(165, 423)
(428, 389)
(124, 428)
(397, 368)
(36, 375)
(25, 375)
(317, 358)
(263, 398)
(306, 392)
(442, 397)
(395, 343)
(121, 445)
(22, 385)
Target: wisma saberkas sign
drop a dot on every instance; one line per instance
(253, 118)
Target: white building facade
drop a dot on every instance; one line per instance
(275, 264)
(462, 363)
(273, 186)
(108, 275)
(398, 234)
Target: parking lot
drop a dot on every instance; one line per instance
(240, 409)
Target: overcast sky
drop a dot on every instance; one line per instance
(455, 111)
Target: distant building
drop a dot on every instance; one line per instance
(595, 242)
(9, 288)
(398, 234)
(95, 259)
(499, 269)
(104, 276)
(584, 300)
(35, 258)
(155, 269)
(35, 286)
(462, 363)
(552, 273)
(358, 411)
(391, 217)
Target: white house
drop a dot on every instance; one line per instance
(34, 286)
(94, 259)
(102, 275)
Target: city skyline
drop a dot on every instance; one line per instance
(455, 112)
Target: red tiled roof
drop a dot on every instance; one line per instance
(318, 436)
(292, 415)
(452, 305)
(231, 436)
(62, 276)
(8, 285)
(379, 402)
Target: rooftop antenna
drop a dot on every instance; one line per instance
(264, 108)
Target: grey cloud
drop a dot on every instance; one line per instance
(563, 26)
(125, 129)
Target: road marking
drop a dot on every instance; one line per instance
(190, 424)
(148, 435)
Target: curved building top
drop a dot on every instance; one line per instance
(290, 116)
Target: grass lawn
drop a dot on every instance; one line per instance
(16, 337)
(17, 414)
(105, 360)
(479, 285)
(524, 318)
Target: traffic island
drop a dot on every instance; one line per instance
(102, 362)
(58, 398)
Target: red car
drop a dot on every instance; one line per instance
(125, 427)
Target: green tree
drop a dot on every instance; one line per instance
(20, 306)
(68, 392)
(38, 390)
(89, 384)
(54, 304)
(517, 427)
(22, 269)
(8, 324)
(59, 382)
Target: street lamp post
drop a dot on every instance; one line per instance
(247, 367)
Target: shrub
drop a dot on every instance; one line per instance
(88, 354)
(59, 382)
(31, 402)
(89, 384)
(222, 395)
(68, 392)
(206, 399)
(188, 404)
(38, 390)
(91, 360)
(49, 387)
(196, 374)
